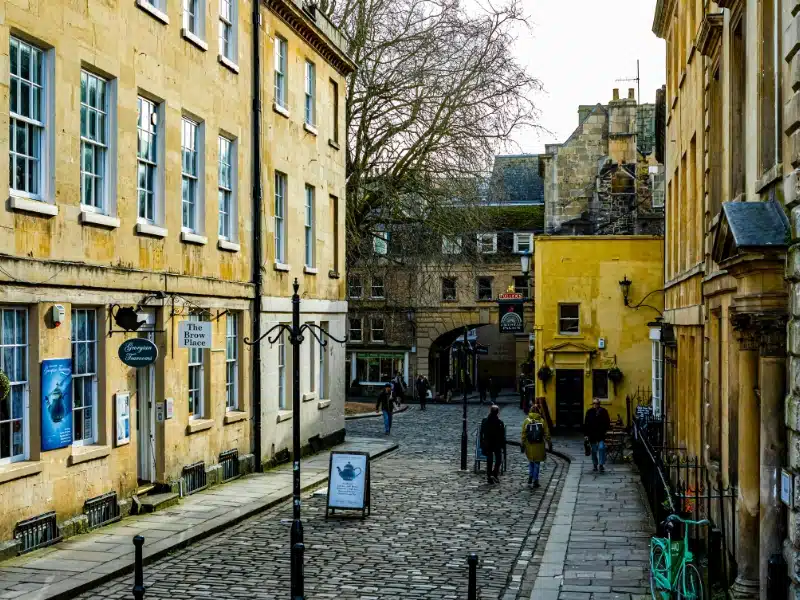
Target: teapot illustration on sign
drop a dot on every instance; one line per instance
(55, 403)
(349, 472)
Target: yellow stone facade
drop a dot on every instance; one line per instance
(585, 271)
(57, 250)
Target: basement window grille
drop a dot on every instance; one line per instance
(194, 478)
(229, 460)
(102, 510)
(37, 532)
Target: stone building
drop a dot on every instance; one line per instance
(731, 157)
(138, 197)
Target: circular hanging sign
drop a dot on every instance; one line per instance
(138, 352)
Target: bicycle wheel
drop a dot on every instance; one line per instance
(658, 569)
(690, 584)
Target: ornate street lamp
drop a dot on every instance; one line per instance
(464, 350)
(295, 334)
(625, 286)
(525, 263)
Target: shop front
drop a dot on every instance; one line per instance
(369, 371)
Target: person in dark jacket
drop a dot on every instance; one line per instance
(385, 404)
(448, 389)
(595, 427)
(482, 388)
(493, 443)
(494, 389)
(422, 391)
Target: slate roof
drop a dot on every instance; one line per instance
(516, 180)
(756, 224)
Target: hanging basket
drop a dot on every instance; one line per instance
(5, 386)
(544, 374)
(615, 375)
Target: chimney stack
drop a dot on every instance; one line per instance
(616, 94)
(631, 94)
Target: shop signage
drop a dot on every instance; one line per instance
(511, 320)
(787, 488)
(510, 296)
(348, 482)
(481, 350)
(57, 403)
(123, 418)
(194, 334)
(378, 355)
(138, 352)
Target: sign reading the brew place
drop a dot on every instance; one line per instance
(138, 352)
(194, 334)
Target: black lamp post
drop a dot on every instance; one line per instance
(295, 333)
(464, 384)
(625, 286)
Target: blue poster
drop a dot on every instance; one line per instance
(56, 403)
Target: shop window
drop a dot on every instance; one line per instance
(600, 384)
(232, 361)
(378, 368)
(14, 363)
(84, 376)
(569, 318)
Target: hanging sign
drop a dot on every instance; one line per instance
(123, 420)
(511, 319)
(138, 352)
(56, 403)
(348, 482)
(194, 334)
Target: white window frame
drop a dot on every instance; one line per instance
(351, 284)
(227, 196)
(39, 129)
(99, 143)
(194, 20)
(560, 318)
(481, 241)
(80, 375)
(196, 366)
(152, 161)
(310, 233)
(381, 287)
(312, 366)
(229, 24)
(280, 63)
(380, 242)
(192, 179)
(282, 372)
(310, 103)
(657, 376)
(281, 185)
(373, 329)
(653, 173)
(359, 329)
(523, 236)
(452, 244)
(20, 348)
(322, 386)
(232, 361)
(159, 4)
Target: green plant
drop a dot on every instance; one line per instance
(5, 386)
(615, 375)
(544, 374)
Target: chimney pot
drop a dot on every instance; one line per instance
(631, 94)
(616, 93)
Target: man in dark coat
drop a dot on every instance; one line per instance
(493, 443)
(385, 404)
(595, 427)
(482, 388)
(422, 391)
(494, 389)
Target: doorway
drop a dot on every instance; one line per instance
(145, 425)
(569, 398)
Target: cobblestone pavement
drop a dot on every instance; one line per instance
(426, 517)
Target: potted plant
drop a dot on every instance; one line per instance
(544, 375)
(5, 386)
(615, 375)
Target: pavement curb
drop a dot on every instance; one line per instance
(375, 416)
(158, 549)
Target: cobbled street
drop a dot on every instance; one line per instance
(426, 517)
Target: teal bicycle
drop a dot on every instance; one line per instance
(672, 568)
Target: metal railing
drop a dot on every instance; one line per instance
(37, 532)
(229, 461)
(194, 478)
(102, 510)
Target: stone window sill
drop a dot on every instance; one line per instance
(192, 238)
(21, 469)
(93, 218)
(309, 396)
(82, 454)
(769, 177)
(33, 206)
(334, 275)
(323, 404)
(310, 129)
(197, 425)
(194, 39)
(333, 144)
(228, 246)
(153, 11)
(279, 266)
(569, 336)
(310, 270)
(228, 63)
(281, 110)
(151, 230)
(284, 415)
(234, 416)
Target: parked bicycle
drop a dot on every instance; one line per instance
(672, 567)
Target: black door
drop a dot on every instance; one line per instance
(569, 398)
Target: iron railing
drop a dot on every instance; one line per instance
(194, 478)
(229, 461)
(102, 510)
(37, 532)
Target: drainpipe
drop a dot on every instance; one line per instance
(257, 224)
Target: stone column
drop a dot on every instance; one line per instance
(746, 585)
(772, 383)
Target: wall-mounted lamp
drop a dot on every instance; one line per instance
(625, 285)
(525, 263)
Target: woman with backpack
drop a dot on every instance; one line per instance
(534, 435)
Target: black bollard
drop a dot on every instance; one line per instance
(298, 593)
(777, 577)
(138, 573)
(472, 592)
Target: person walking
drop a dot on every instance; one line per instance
(398, 389)
(595, 427)
(422, 391)
(493, 443)
(385, 404)
(494, 389)
(534, 435)
(482, 389)
(448, 389)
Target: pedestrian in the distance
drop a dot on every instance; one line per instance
(385, 404)
(398, 388)
(534, 435)
(595, 426)
(482, 388)
(494, 389)
(448, 389)
(493, 442)
(422, 391)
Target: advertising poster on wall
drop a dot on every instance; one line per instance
(123, 418)
(56, 403)
(348, 482)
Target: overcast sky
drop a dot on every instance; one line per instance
(577, 49)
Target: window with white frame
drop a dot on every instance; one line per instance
(282, 372)
(26, 119)
(311, 93)
(569, 318)
(232, 361)
(451, 244)
(658, 377)
(487, 243)
(190, 186)
(377, 331)
(147, 159)
(355, 330)
(84, 375)
(159, 4)
(377, 287)
(194, 17)
(322, 387)
(280, 71)
(14, 363)
(309, 227)
(312, 364)
(380, 242)
(355, 287)
(196, 391)
(280, 218)
(523, 243)
(226, 178)
(228, 29)
(94, 141)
